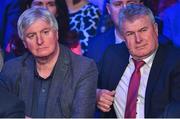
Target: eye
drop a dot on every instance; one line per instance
(31, 36)
(143, 30)
(37, 4)
(132, 2)
(45, 32)
(52, 4)
(117, 4)
(129, 33)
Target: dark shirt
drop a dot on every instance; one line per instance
(40, 94)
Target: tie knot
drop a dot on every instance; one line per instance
(138, 64)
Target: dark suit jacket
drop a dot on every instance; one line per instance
(73, 88)
(10, 106)
(163, 85)
(99, 43)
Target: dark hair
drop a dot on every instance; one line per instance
(67, 36)
(76, 1)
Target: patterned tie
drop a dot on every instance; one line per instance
(130, 111)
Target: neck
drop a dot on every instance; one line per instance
(45, 65)
(75, 7)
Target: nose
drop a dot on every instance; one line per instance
(44, 6)
(138, 38)
(124, 5)
(39, 39)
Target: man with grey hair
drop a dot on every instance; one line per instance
(52, 81)
(141, 76)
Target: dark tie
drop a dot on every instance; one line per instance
(130, 111)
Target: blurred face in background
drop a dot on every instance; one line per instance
(49, 4)
(114, 6)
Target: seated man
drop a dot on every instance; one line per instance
(10, 106)
(97, 45)
(139, 79)
(52, 81)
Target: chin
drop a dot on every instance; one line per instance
(44, 54)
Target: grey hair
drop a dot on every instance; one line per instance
(31, 15)
(133, 11)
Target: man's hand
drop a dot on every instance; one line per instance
(104, 99)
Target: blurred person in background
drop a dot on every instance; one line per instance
(99, 43)
(84, 19)
(9, 13)
(171, 22)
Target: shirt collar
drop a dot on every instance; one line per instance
(148, 60)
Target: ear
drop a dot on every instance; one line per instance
(156, 28)
(24, 43)
(57, 35)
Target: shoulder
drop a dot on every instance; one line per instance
(117, 49)
(170, 49)
(81, 61)
(14, 65)
(169, 54)
(114, 53)
(79, 66)
(74, 59)
(16, 61)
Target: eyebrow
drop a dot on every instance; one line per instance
(145, 27)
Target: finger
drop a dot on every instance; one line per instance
(112, 93)
(105, 96)
(103, 109)
(104, 105)
(105, 100)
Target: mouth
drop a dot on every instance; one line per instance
(141, 46)
(42, 48)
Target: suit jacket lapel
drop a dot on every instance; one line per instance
(153, 77)
(54, 98)
(120, 63)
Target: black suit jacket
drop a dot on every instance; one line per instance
(10, 106)
(163, 85)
